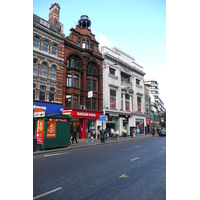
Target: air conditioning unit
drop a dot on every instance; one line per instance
(82, 107)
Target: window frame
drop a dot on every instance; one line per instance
(51, 93)
(53, 73)
(76, 81)
(35, 43)
(44, 69)
(67, 100)
(35, 67)
(88, 86)
(42, 90)
(44, 48)
(54, 51)
(68, 78)
(113, 98)
(75, 101)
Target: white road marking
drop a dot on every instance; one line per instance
(55, 154)
(135, 158)
(132, 148)
(47, 193)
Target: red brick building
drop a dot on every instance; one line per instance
(83, 73)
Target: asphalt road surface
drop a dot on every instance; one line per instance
(127, 170)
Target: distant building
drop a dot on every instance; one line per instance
(157, 105)
(123, 91)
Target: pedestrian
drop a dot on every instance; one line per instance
(74, 136)
(138, 132)
(133, 132)
(98, 133)
(102, 136)
(112, 132)
(89, 136)
(125, 132)
(105, 134)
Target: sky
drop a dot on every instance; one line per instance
(136, 27)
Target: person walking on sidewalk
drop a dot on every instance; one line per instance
(125, 132)
(138, 132)
(89, 136)
(74, 136)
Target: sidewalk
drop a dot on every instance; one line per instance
(82, 143)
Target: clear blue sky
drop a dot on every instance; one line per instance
(138, 27)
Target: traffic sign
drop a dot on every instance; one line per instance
(102, 118)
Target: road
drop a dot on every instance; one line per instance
(127, 170)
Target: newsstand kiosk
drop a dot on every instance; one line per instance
(52, 131)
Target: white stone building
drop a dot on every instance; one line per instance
(123, 91)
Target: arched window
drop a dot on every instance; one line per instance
(53, 72)
(36, 41)
(44, 70)
(83, 44)
(34, 66)
(72, 63)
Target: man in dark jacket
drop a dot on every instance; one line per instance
(74, 136)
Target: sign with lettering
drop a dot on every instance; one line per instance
(102, 118)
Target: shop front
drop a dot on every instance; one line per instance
(45, 108)
(84, 121)
(138, 121)
(117, 121)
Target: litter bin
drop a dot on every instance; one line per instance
(34, 144)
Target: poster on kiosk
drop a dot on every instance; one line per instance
(40, 134)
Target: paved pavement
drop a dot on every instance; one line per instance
(82, 143)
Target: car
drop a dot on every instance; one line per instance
(162, 132)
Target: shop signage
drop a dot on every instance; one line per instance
(57, 120)
(48, 108)
(39, 114)
(83, 114)
(114, 115)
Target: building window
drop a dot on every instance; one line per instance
(147, 104)
(94, 104)
(42, 92)
(34, 66)
(76, 81)
(67, 63)
(122, 101)
(45, 46)
(53, 72)
(72, 63)
(87, 44)
(137, 81)
(112, 99)
(34, 87)
(112, 71)
(127, 102)
(54, 49)
(51, 94)
(36, 42)
(94, 85)
(138, 104)
(75, 101)
(44, 70)
(69, 80)
(91, 47)
(88, 84)
(88, 104)
(83, 44)
(68, 100)
(79, 42)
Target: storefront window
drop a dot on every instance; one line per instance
(140, 124)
